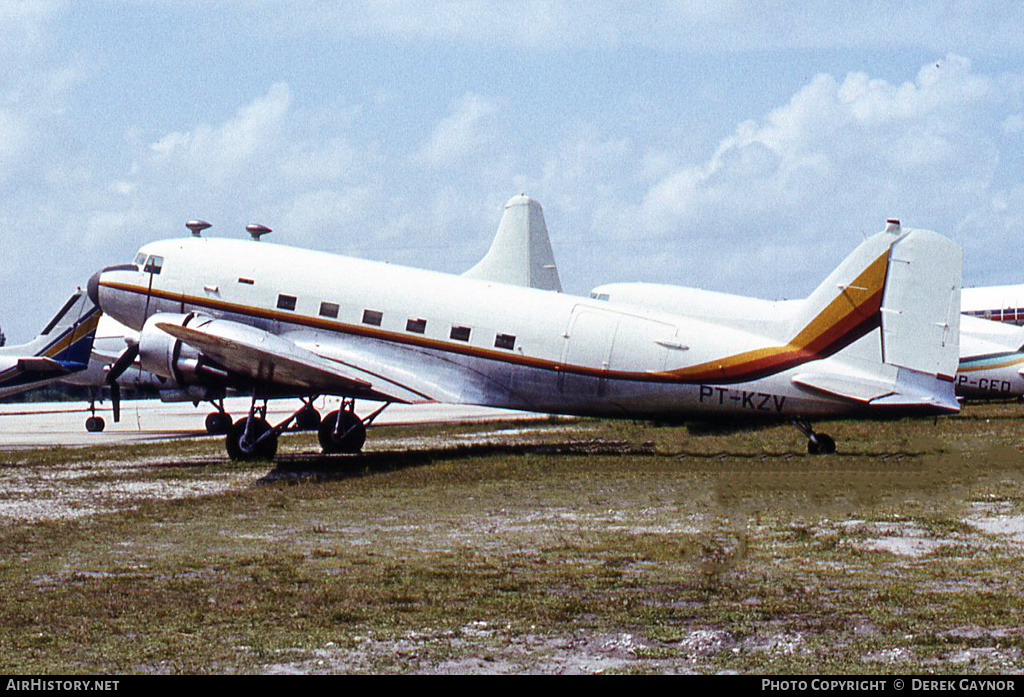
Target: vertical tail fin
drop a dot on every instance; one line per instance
(67, 338)
(520, 254)
(906, 284)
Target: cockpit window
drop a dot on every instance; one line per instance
(154, 264)
(140, 259)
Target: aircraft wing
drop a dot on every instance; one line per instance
(276, 360)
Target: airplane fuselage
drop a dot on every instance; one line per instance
(469, 341)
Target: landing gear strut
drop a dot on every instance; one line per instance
(252, 438)
(342, 431)
(94, 424)
(817, 443)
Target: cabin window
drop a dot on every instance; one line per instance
(286, 302)
(460, 333)
(246, 281)
(154, 264)
(505, 341)
(328, 309)
(417, 326)
(372, 317)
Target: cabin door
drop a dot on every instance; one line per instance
(587, 351)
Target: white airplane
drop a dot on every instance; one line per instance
(62, 348)
(991, 360)
(878, 337)
(998, 303)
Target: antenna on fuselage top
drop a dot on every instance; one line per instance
(257, 231)
(197, 227)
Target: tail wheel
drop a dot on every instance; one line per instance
(821, 444)
(342, 432)
(252, 448)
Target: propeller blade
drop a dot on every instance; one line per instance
(123, 363)
(115, 400)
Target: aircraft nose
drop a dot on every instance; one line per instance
(93, 289)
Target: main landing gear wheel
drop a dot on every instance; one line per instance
(308, 419)
(259, 444)
(218, 423)
(95, 424)
(342, 432)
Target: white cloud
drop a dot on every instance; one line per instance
(222, 152)
(851, 143)
(24, 25)
(672, 25)
(464, 133)
(1014, 124)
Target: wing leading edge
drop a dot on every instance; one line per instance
(269, 359)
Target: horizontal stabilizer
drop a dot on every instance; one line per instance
(857, 389)
(40, 365)
(910, 388)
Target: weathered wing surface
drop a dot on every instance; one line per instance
(270, 359)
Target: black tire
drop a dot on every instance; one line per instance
(308, 419)
(352, 429)
(256, 449)
(95, 424)
(218, 423)
(821, 444)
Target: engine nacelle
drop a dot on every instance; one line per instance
(172, 359)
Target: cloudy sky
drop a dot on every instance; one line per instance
(733, 145)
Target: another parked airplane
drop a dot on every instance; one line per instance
(104, 372)
(62, 348)
(999, 303)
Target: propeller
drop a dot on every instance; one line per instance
(123, 363)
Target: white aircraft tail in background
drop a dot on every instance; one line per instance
(520, 254)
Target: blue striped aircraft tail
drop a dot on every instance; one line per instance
(64, 346)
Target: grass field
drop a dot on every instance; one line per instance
(561, 546)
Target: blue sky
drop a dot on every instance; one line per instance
(737, 146)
